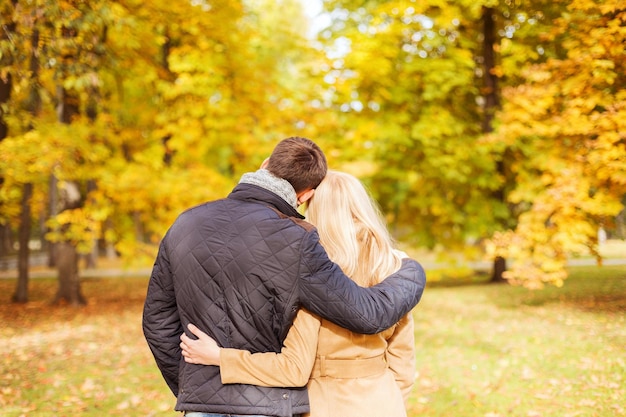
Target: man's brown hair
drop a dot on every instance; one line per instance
(299, 161)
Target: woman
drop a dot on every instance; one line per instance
(347, 374)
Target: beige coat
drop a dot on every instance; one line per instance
(348, 374)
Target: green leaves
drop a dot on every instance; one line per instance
(178, 99)
(553, 169)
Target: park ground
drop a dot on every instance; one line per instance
(482, 350)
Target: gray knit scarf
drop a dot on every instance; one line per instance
(264, 179)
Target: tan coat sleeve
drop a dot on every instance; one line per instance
(401, 355)
(290, 368)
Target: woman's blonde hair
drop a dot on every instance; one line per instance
(352, 229)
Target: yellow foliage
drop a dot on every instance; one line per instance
(74, 226)
(566, 121)
(192, 94)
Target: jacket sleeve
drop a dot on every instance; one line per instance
(400, 356)
(161, 323)
(290, 368)
(326, 291)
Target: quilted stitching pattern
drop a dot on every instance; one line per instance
(239, 271)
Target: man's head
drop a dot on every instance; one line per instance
(299, 161)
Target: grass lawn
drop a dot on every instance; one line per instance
(482, 350)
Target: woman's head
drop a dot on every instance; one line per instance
(352, 229)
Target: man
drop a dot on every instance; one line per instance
(240, 267)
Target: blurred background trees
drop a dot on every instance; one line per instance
(496, 123)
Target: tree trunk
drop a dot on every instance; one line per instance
(21, 290)
(491, 105)
(490, 88)
(109, 247)
(66, 253)
(91, 258)
(8, 29)
(6, 85)
(69, 281)
(5, 239)
(168, 153)
(53, 203)
(499, 266)
(34, 107)
(5, 95)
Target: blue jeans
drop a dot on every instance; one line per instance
(198, 414)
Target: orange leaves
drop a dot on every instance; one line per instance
(565, 122)
(535, 262)
(91, 361)
(556, 225)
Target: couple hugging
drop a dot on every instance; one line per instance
(252, 311)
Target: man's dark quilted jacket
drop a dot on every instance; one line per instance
(239, 268)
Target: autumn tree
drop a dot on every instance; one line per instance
(410, 90)
(11, 43)
(417, 87)
(6, 85)
(161, 106)
(566, 124)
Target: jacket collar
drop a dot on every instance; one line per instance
(265, 179)
(256, 194)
